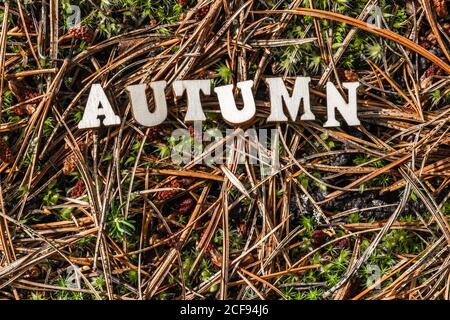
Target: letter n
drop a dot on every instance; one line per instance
(336, 101)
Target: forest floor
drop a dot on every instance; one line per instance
(353, 212)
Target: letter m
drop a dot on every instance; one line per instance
(279, 93)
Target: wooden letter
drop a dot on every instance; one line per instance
(193, 88)
(90, 118)
(278, 93)
(336, 101)
(230, 112)
(139, 104)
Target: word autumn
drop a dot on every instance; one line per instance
(98, 104)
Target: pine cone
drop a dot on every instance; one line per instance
(348, 75)
(169, 194)
(441, 8)
(318, 238)
(341, 244)
(125, 44)
(78, 190)
(243, 229)
(351, 76)
(31, 107)
(183, 2)
(70, 163)
(428, 41)
(17, 87)
(184, 207)
(19, 110)
(446, 27)
(434, 70)
(202, 12)
(82, 33)
(5, 153)
(22, 93)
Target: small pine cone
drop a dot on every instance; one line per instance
(31, 107)
(184, 207)
(202, 12)
(424, 42)
(81, 33)
(341, 244)
(169, 194)
(351, 76)
(431, 37)
(78, 190)
(17, 87)
(19, 110)
(243, 229)
(33, 273)
(428, 41)
(22, 93)
(446, 27)
(70, 163)
(71, 160)
(318, 238)
(434, 70)
(182, 2)
(348, 75)
(5, 153)
(441, 8)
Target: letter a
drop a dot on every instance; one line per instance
(90, 117)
